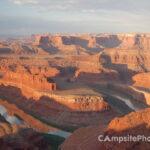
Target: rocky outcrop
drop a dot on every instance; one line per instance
(88, 68)
(128, 41)
(84, 139)
(135, 60)
(83, 103)
(136, 123)
(127, 62)
(19, 67)
(142, 80)
(62, 110)
(133, 124)
(45, 71)
(32, 81)
(110, 64)
(93, 43)
(24, 77)
(93, 75)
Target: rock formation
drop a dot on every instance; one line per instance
(127, 41)
(135, 123)
(126, 61)
(71, 111)
(22, 76)
(74, 44)
(142, 80)
(84, 138)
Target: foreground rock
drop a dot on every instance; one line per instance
(84, 139)
(134, 124)
(19, 137)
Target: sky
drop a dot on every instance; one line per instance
(26, 17)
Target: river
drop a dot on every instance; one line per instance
(14, 120)
(11, 119)
(127, 102)
(60, 133)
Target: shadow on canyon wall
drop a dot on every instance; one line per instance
(50, 49)
(83, 43)
(125, 74)
(109, 42)
(27, 49)
(5, 51)
(66, 71)
(97, 44)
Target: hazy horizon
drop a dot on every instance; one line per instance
(19, 18)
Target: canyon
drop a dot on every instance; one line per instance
(85, 84)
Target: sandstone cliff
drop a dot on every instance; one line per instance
(74, 44)
(24, 77)
(127, 41)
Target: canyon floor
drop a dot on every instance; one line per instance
(76, 86)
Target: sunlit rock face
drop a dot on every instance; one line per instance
(134, 124)
(29, 77)
(142, 80)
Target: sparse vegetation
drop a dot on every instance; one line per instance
(53, 140)
(16, 115)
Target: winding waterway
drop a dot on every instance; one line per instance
(11, 119)
(14, 120)
(60, 133)
(127, 102)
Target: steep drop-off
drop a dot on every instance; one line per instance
(134, 124)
